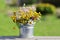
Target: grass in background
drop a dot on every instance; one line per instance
(7, 26)
(48, 27)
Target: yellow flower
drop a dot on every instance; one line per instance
(23, 16)
(13, 18)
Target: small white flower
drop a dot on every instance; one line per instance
(38, 19)
(30, 22)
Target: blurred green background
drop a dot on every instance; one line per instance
(49, 24)
(7, 26)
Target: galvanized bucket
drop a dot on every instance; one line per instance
(26, 31)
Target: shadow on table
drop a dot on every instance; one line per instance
(10, 37)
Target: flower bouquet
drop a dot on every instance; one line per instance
(26, 19)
